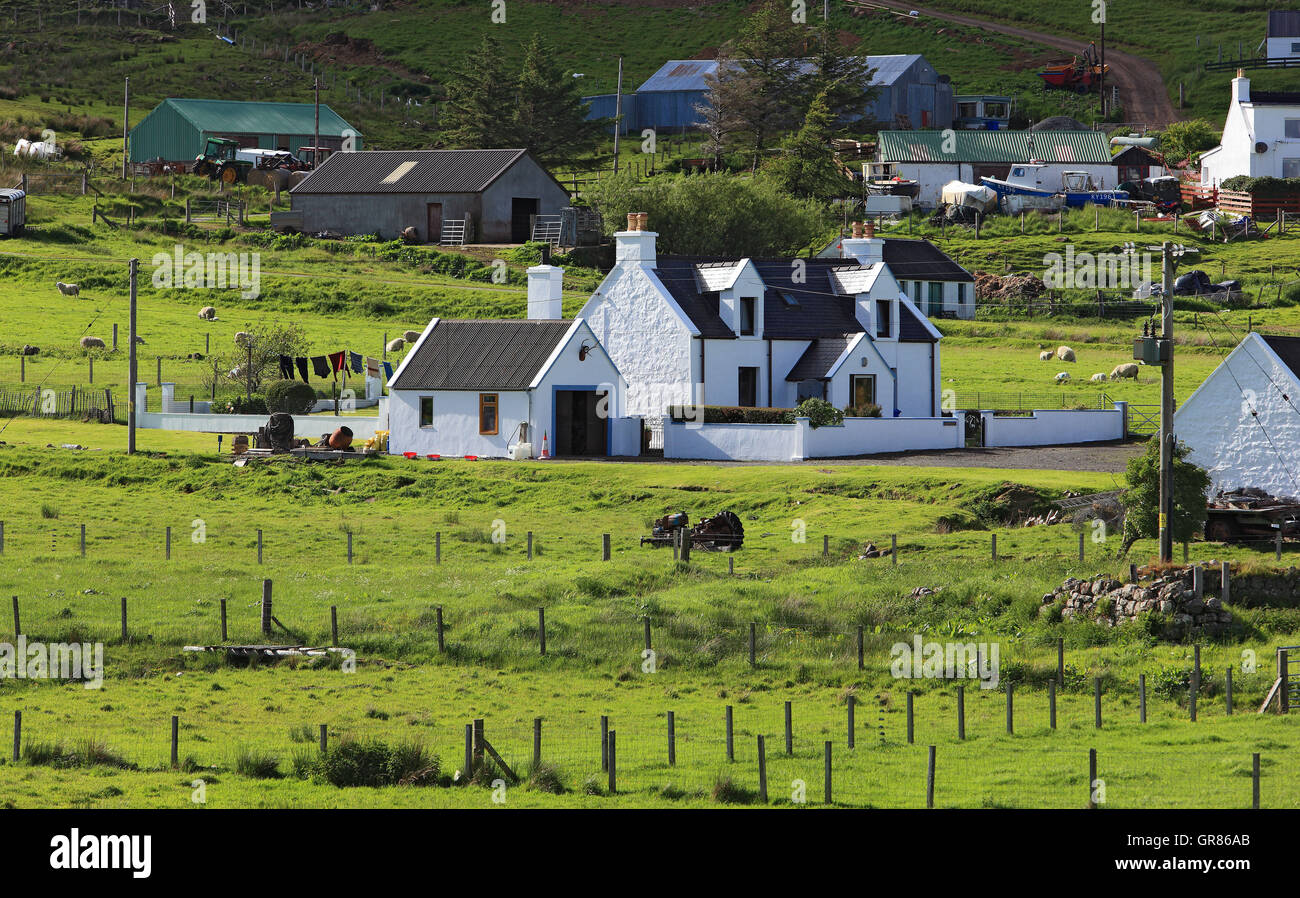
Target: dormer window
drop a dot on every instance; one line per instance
(884, 322)
(747, 316)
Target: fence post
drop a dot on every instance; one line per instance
(437, 547)
(18, 735)
(1142, 698)
(604, 742)
(827, 795)
(860, 640)
(1283, 666)
(613, 763)
(537, 742)
(266, 607)
(442, 645)
(672, 739)
(910, 731)
(1254, 780)
(334, 625)
(1277, 545)
(83, 540)
(123, 618)
(1228, 690)
(541, 630)
(604, 547)
(851, 703)
(530, 545)
(176, 731)
(826, 545)
(479, 739)
(645, 632)
(1060, 661)
(893, 548)
(753, 638)
(1051, 703)
(789, 728)
(929, 779)
(223, 620)
(259, 546)
(961, 712)
(1096, 699)
(1011, 729)
(169, 543)
(993, 540)
(349, 547)
(18, 626)
(1224, 582)
(469, 750)
(1080, 547)
(1092, 775)
(762, 770)
(324, 738)
(731, 745)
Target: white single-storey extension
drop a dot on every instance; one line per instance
(764, 332)
(1243, 422)
(509, 388)
(1261, 136)
(1283, 36)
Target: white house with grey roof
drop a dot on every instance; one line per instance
(1261, 136)
(764, 332)
(496, 193)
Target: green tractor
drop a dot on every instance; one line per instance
(218, 161)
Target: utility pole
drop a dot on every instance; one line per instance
(1101, 84)
(132, 267)
(126, 126)
(315, 135)
(1167, 405)
(618, 112)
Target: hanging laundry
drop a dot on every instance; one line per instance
(321, 365)
(301, 362)
(286, 368)
(336, 362)
(372, 366)
(388, 370)
(355, 359)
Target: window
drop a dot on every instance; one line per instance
(862, 390)
(966, 110)
(1291, 168)
(1295, 48)
(963, 294)
(935, 302)
(487, 413)
(995, 110)
(916, 293)
(426, 411)
(790, 299)
(747, 316)
(747, 387)
(883, 323)
(1291, 127)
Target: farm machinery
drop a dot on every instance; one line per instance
(219, 162)
(1080, 74)
(1247, 514)
(721, 533)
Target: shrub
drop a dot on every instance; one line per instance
(734, 414)
(257, 764)
(820, 412)
(292, 396)
(241, 405)
(373, 763)
(869, 410)
(728, 791)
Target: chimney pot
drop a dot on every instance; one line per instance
(870, 229)
(857, 230)
(633, 222)
(642, 220)
(1241, 73)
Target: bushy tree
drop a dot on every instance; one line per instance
(1180, 140)
(265, 345)
(1142, 498)
(550, 118)
(840, 75)
(806, 165)
(714, 214)
(479, 112)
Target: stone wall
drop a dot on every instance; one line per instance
(1110, 603)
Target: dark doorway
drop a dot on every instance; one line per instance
(522, 210)
(435, 223)
(580, 426)
(747, 387)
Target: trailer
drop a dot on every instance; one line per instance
(1250, 515)
(13, 212)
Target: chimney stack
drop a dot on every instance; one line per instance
(545, 292)
(636, 245)
(1241, 87)
(864, 245)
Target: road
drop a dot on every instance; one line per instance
(1141, 86)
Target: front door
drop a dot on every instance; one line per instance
(747, 387)
(435, 223)
(580, 427)
(522, 210)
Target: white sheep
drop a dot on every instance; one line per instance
(91, 343)
(1065, 353)
(396, 344)
(1045, 355)
(242, 338)
(1063, 377)
(1126, 370)
(208, 313)
(1098, 378)
(68, 289)
(411, 336)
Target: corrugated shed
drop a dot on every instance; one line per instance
(994, 146)
(177, 128)
(481, 355)
(410, 171)
(689, 74)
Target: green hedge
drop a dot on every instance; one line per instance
(735, 414)
(1262, 186)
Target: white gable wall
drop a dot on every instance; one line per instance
(1245, 125)
(1216, 424)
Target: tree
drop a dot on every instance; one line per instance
(480, 107)
(1142, 498)
(1180, 140)
(806, 166)
(268, 343)
(718, 119)
(550, 118)
(841, 75)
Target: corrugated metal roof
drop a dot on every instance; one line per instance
(689, 74)
(409, 171)
(256, 117)
(1283, 23)
(481, 355)
(994, 146)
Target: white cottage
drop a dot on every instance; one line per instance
(1261, 136)
(496, 389)
(1283, 38)
(764, 332)
(1243, 422)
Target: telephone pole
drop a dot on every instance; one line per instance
(130, 368)
(618, 111)
(1167, 404)
(126, 126)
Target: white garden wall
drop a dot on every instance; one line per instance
(798, 441)
(1055, 427)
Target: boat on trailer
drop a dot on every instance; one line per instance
(1077, 188)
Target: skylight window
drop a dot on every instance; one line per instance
(790, 299)
(398, 173)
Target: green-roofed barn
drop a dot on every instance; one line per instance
(933, 158)
(178, 129)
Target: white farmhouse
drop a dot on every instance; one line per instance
(1261, 136)
(1283, 39)
(937, 285)
(764, 332)
(496, 389)
(1243, 422)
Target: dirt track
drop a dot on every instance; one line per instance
(1141, 86)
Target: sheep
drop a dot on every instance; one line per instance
(1065, 353)
(139, 340)
(68, 289)
(1098, 378)
(411, 336)
(396, 344)
(29, 349)
(1063, 377)
(1126, 370)
(91, 343)
(236, 372)
(242, 338)
(208, 313)
(1045, 355)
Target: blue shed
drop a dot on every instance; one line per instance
(911, 95)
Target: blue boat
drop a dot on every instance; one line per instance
(1077, 187)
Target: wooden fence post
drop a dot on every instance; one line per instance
(1142, 698)
(1081, 547)
(1092, 775)
(826, 545)
(672, 739)
(789, 728)
(18, 735)
(83, 540)
(993, 544)
(442, 645)
(1051, 703)
(334, 625)
(124, 619)
(850, 702)
(1011, 729)
(827, 791)
(731, 745)
(266, 607)
(613, 762)
(929, 779)
(762, 770)
(541, 630)
(1254, 780)
(961, 712)
(910, 731)
(1096, 699)
(537, 742)
(324, 738)
(604, 547)
(176, 730)
(223, 620)
(1228, 690)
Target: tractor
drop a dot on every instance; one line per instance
(218, 162)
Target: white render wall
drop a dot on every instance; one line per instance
(731, 442)
(799, 441)
(1244, 126)
(1054, 427)
(1226, 440)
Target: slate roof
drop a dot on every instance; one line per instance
(1287, 349)
(1275, 97)
(410, 171)
(921, 260)
(819, 310)
(816, 361)
(994, 146)
(1283, 23)
(481, 354)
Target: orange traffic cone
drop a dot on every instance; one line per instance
(544, 454)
